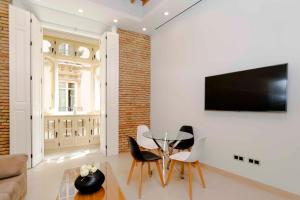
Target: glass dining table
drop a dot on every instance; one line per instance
(167, 141)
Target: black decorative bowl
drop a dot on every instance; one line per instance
(91, 183)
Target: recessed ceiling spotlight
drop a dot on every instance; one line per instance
(115, 20)
(80, 10)
(144, 29)
(166, 13)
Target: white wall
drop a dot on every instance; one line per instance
(220, 36)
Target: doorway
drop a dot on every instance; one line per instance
(71, 94)
(36, 91)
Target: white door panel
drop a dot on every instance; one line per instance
(19, 77)
(109, 135)
(36, 90)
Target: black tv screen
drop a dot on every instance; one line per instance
(261, 89)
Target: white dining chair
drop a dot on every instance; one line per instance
(189, 158)
(144, 142)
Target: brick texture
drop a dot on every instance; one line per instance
(4, 79)
(134, 102)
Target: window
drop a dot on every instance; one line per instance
(98, 55)
(83, 52)
(50, 129)
(48, 91)
(66, 96)
(65, 49)
(46, 46)
(97, 89)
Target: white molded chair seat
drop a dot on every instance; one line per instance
(193, 156)
(148, 144)
(144, 142)
(189, 158)
(180, 156)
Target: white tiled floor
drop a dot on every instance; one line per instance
(70, 153)
(44, 181)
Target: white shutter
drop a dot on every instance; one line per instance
(19, 77)
(109, 138)
(36, 90)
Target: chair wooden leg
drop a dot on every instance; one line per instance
(131, 171)
(190, 180)
(200, 173)
(171, 171)
(182, 171)
(149, 169)
(169, 162)
(158, 151)
(160, 173)
(141, 181)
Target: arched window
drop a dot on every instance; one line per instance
(65, 49)
(98, 55)
(48, 83)
(83, 52)
(46, 46)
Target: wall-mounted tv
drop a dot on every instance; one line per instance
(261, 89)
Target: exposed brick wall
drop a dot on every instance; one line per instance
(4, 79)
(134, 102)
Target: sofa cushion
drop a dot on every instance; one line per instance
(12, 165)
(20, 180)
(10, 191)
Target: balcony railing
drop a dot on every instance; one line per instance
(63, 131)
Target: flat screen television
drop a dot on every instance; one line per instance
(261, 89)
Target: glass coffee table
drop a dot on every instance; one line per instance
(163, 141)
(110, 189)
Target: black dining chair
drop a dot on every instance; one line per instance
(186, 144)
(142, 157)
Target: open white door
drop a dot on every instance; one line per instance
(36, 91)
(103, 142)
(109, 138)
(19, 78)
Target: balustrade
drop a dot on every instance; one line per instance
(63, 131)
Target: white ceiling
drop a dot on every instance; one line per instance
(98, 15)
(125, 6)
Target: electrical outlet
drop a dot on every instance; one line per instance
(235, 157)
(241, 158)
(257, 162)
